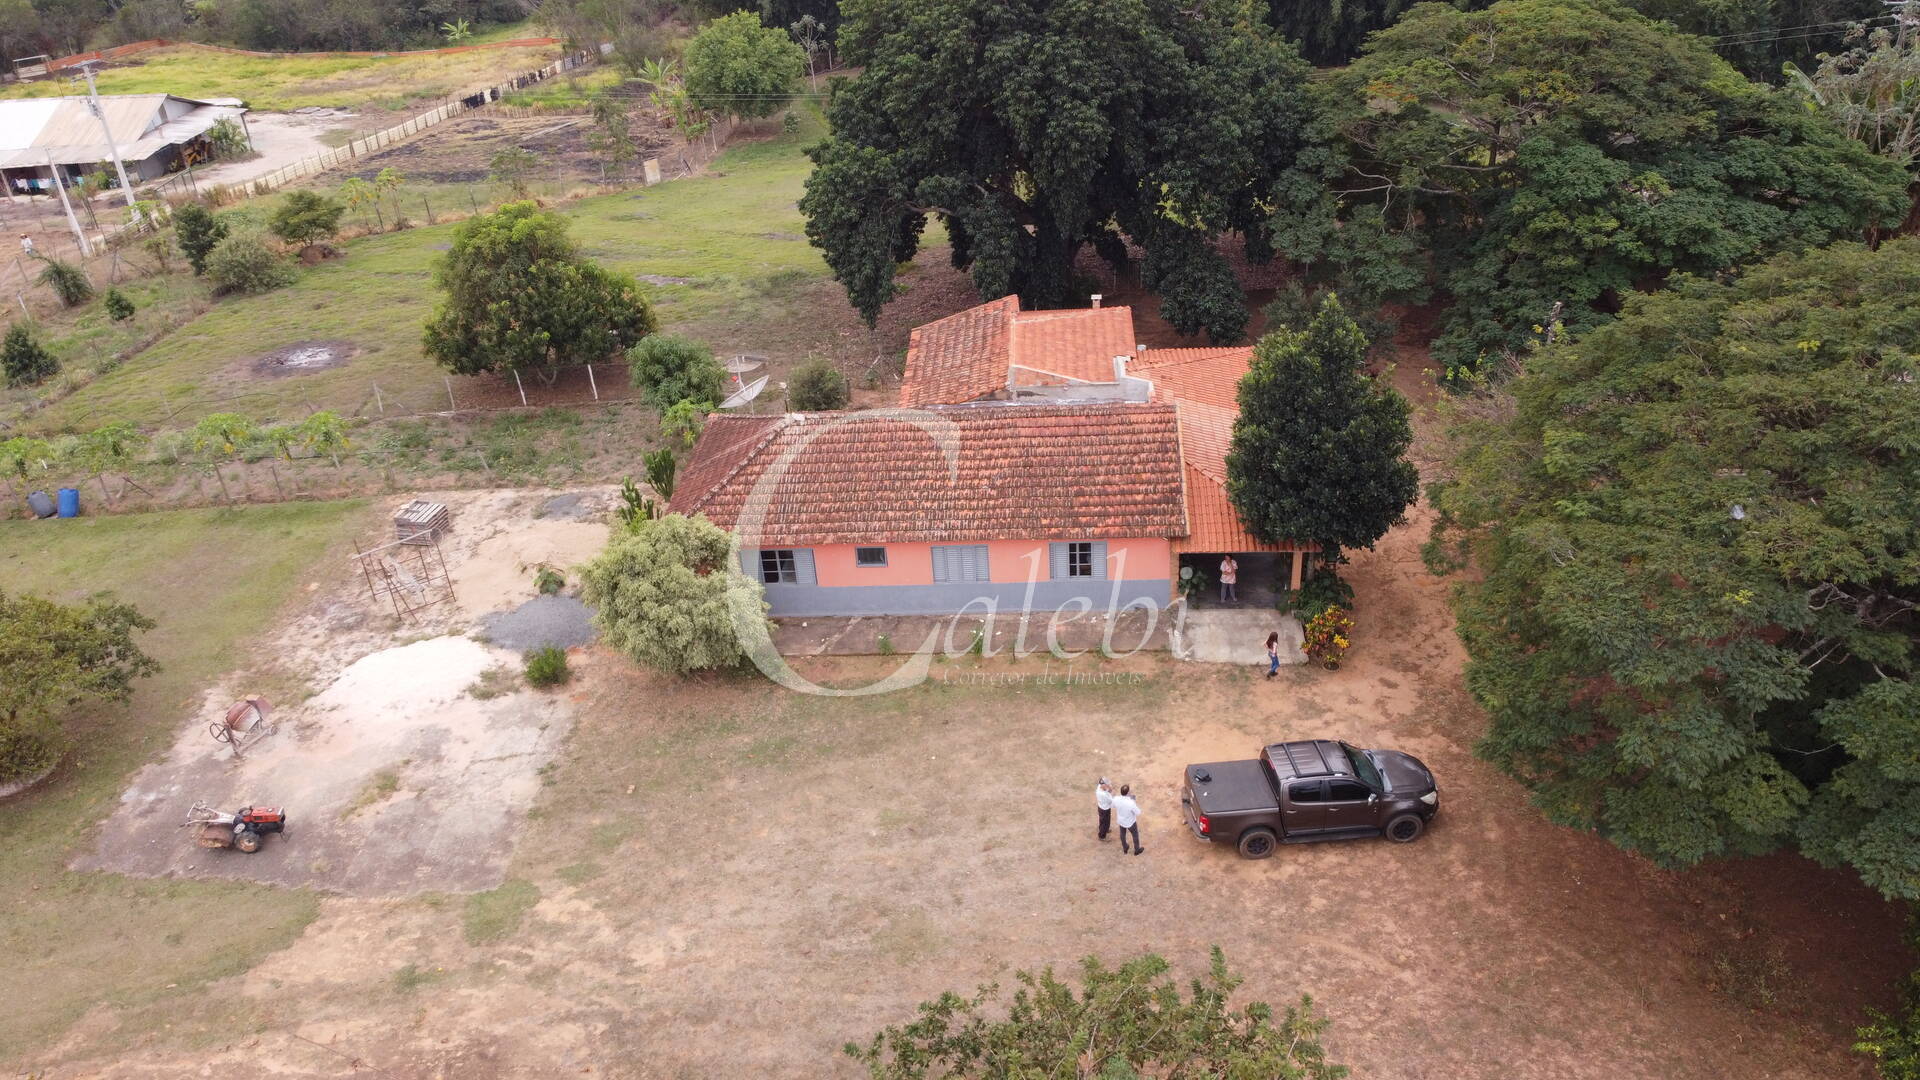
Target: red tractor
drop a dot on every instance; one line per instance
(242, 829)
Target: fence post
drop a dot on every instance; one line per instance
(377, 403)
(595, 383)
(519, 386)
(451, 407)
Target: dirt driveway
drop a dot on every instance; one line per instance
(724, 879)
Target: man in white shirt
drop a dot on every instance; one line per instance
(1103, 802)
(1126, 814)
(1229, 580)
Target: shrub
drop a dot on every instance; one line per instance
(197, 232)
(1328, 636)
(229, 139)
(244, 263)
(683, 420)
(119, 308)
(668, 370)
(661, 468)
(68, 282)
(666, 595)
(305, 217)
(23, 360)
(635, 509)
(817, 386)
(1323, 590)
(547, 581)
(547, 666)
(27, 753)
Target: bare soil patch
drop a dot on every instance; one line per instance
(396, 776)
(304, 358)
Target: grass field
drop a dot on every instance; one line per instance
(77, 940)
(718, 249)
(277, 84)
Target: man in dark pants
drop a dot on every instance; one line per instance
(1127, 815)
(1103, 802)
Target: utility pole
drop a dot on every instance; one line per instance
(93, 106)
(86, 250)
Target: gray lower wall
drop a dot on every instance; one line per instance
(973, 597)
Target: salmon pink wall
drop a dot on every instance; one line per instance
(1132, 559)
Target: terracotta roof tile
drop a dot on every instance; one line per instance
(1211, 376)
(1206, 435)
(961, 357)
(1053, 348)
(1021, 471)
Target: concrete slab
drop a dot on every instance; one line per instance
(1237, 636)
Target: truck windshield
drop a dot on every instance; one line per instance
(1363, 768)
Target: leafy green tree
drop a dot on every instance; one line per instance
(1124, 1022)
(1697, 531)
(1561, 154)
(1318, 450)
(198, 231)
(667, 369)
(735, 65)
(1033, 130)
(1893, 1040)
(1332, 31)
(665, 593)
(324, 432)
(1759, 36)
(228, 139)
(305, 217)
(109, 447)
(23, 359)
(243, 262)
(520, 296)
(57, 656)
(817, 386)
(358, 193)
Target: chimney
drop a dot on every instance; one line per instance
(1096, 299)
(1120, 368)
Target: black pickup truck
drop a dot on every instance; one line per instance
(1318, 789)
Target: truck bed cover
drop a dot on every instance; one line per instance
(1225, 787)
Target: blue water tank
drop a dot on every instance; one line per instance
(69, 502)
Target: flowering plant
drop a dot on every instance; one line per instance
(1328, 635)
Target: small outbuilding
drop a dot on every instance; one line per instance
(156, 134)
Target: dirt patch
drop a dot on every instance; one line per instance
(304, 358)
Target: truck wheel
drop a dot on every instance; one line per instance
(1256, 844)
(247, 840)
(1405, 829)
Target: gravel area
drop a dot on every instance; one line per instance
(544, 620)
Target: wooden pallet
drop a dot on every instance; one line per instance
(421, 522)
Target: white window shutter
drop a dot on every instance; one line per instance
(803, 566)
(1100, 560)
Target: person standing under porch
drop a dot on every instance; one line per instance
(1229, 578)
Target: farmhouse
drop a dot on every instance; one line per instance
(1038, 458)
(155, 133)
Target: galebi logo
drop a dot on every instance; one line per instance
(946, 637)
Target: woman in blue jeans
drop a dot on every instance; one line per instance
(1273, 654)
